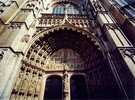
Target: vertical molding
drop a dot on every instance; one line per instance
(43, 86)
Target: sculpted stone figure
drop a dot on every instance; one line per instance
(18, 81)
(38, 86)
(65, 82)
(13, 97)
(25, 84)
(21, 97)
(31, 86)
(29, 97)
(36, 97)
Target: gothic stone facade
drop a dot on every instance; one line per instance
(67, 49)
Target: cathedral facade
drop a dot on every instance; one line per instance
(67, 49)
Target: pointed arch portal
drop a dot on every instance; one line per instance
(65, 52)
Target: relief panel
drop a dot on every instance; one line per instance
(64, 59)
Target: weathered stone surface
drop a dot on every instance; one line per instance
(69, 48)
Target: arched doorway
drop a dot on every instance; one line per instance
(66, 51)
(53, 88)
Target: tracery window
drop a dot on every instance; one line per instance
(58, 9)
(63, 8)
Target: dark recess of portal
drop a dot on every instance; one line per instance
(78, 88)
(53, 90)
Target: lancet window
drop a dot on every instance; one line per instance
(65, 8)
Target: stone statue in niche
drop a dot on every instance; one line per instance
(25, 84)
(21, 97)
(65, 67)
(32, 81)
(13, 96)
(37, 90)
(38, 87)
(36, 97)
(18, 82)
(66, 81)
(29, 97)
(31, 86)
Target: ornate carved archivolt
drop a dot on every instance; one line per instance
(58, 50)
(47, 44)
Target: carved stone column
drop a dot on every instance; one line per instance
(66, 85)
(43, 86)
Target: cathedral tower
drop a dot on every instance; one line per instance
(67, 49)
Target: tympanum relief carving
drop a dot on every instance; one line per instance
(64, 58)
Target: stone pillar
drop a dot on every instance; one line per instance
(43, 87)
(9, 69)
(66, 85)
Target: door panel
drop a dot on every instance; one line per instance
(78, 88)
(53, 90)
